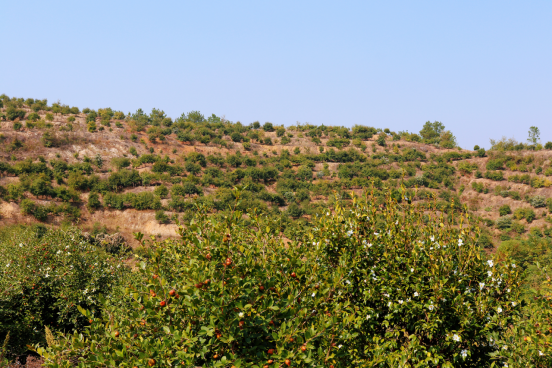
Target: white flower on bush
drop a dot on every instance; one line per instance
(514, 304)
(400, 302)
(389, 304)
(416, 293)
(505, 347)
(430, 307)
(411, 270)
(499, 310)
(456, 337)
(432, 238)
(349, 233)
(513, 265)
(490, 262)
(313, 294)
(481, 285)
(240, 314)
(464, 354)
(460, 242)
(489, 273)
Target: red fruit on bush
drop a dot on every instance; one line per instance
(228, 261)
(288, 362)
(90, 321)
(172, 292)
(116, 334)
(293, 274)
(163, 303)
(151, 362)
(270, 351)
(208, 256)
(303, 348)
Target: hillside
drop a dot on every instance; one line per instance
(142, 172)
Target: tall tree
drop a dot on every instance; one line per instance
(534, 135)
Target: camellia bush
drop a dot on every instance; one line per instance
(423, 293)
(390, 285)
(228, 293)
(45, 275)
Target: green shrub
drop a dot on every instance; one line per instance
(504, 222)
(381, 139)
(91, 126)
(161, 217)
(12, 113)
(504, 210)
(494, 175)
(231, 290)
(268, 127)
(44, 276)
(161, 191)
(17, 125)
(94, 201)
(33, 117)
(538, 201)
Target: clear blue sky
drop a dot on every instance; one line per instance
(482, 68)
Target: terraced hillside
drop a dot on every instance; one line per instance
(106, 170)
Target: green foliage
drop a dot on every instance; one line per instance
(268, 127)
(494, 175)
(44, 275)
(381, 139)
(432, 131)
(524, 213)
(504, 210)
(230, 290)
(94, 201)
(537, 201)
(13, 113)
(534, 135)
(161, 191)
(161, 217)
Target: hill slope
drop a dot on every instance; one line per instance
(140, 172)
